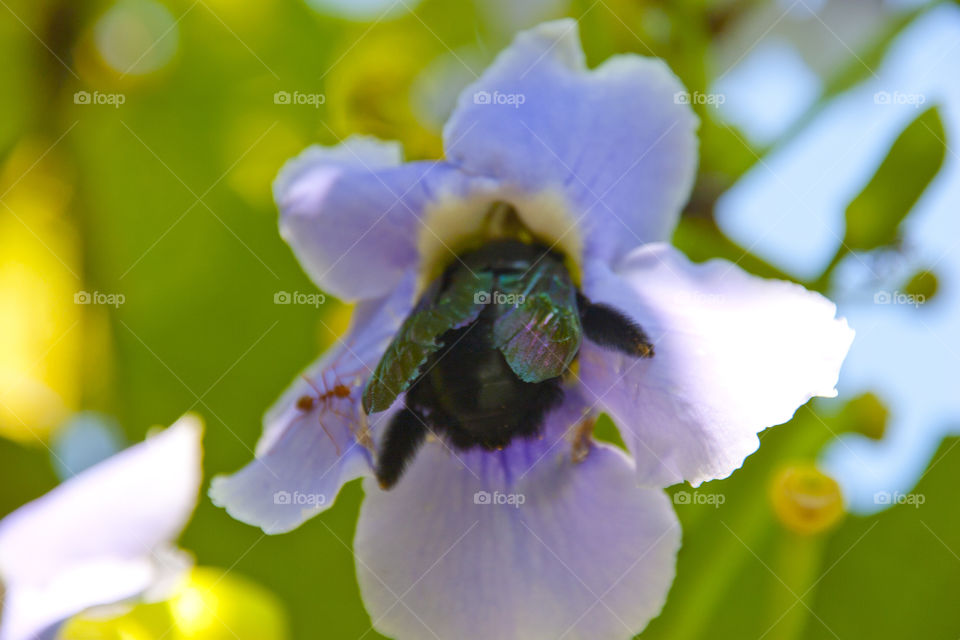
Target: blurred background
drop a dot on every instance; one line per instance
(140, 261)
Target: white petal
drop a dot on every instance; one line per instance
(102, 535)
(587, 554)
(616, 139)
(352, 213)
(305, 457)
(127, 506)
(32, 612)
(735, 354)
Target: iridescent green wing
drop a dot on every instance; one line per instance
(419, 336)
(539, 330)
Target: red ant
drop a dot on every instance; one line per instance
(307, 403)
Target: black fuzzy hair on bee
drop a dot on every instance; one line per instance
(404, 435)
(610, 328)
(469, 395)
(481, 357)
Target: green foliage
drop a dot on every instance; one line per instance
(743, 575)
(860, 67)
(34, 476)
(922, 285)
(737, 540)
(874, 216)
(896, 574)
(700, 239)
(866, 414)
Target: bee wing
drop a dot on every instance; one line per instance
(540, 333)
(419, 337)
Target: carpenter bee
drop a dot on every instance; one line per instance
(483, 353)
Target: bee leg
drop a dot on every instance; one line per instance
(405, 433)
(610, 328)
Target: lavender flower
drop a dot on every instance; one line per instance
(559, 536)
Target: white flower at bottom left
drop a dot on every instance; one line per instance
(104, 536)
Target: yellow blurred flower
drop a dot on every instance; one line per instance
(806, 500)
(334, 324)
(208, 605)
(368, 91)
(40, 326)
